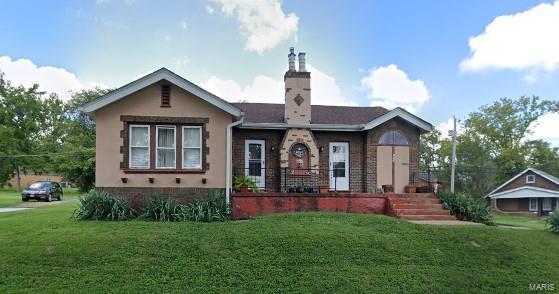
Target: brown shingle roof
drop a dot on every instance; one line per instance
(321, 114)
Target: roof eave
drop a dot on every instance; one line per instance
(154, 77)
(318, 127)
(402, 113)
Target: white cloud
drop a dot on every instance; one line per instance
(522, 41)
(50, 79)
(183, 25)
(545, 128)
(264, 89)
(447, 125)
(389, 86)
(210, 9)
(262, 22)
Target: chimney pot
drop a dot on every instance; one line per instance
(302, 66)
(291, 57)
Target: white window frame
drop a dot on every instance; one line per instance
(532, 177)
(130, 146)
(530, 204)
(200, 148)
(165, 148)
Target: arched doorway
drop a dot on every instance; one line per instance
(393, 155)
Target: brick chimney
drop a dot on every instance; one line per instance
(297, 91)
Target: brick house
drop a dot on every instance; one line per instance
(162, 134)
(531, 192)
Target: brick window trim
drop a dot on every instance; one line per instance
(152, 122)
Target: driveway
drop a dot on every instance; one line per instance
(34, 204)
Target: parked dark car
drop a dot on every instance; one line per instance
(43, 191)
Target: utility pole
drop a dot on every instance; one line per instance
(453, 159)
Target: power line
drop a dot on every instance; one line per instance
(39, 155)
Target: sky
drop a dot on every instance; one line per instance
(435, 58)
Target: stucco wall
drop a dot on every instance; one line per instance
(146, 102)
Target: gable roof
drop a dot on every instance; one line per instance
(347, 118)
(154, 77)
(321, 114)
(524, 192)
(536, 171)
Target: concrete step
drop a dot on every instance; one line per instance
(421, 212)
(417, 206)
(428, 217)
(415, 200)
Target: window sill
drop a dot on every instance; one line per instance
(164, 171)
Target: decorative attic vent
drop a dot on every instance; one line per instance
(165, 96)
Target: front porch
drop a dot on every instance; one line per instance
(412, 206)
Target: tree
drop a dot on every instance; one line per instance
(77, 160)
(543, 157)
(21, 122)
(502, 125)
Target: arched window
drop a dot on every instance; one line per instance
(393, 138)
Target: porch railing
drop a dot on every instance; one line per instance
(299, 180)
(289, 180)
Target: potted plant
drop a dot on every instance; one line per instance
(243, 183)
(323, 189)
(291, 189)
(409, 189)
(309, 189)
(299, 188)
(388, 188)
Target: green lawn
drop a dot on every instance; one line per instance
(45, 250)
(9, 197)
(521, 221)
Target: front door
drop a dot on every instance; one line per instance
(339, 166)
(255, 161)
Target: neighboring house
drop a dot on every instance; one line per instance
(30, 177)
(162, 134)
(531, 192)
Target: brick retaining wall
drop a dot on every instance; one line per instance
(252, 204)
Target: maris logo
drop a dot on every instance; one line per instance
(541, 287)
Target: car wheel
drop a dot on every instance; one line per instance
(49, 198)
(24, 199)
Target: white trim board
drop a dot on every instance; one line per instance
(525, 192)
(538, 172)
(403, 114)
(152, 78)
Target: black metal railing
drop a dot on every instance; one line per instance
(291, 180)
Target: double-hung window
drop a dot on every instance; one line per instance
(139, 146)
(192, 147)
(533, 204)
(530, 179)
(165, 147)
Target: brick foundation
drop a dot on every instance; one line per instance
(137, 197)
(252, 204)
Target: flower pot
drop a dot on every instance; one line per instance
(409, 189)
(244, 189)
(323, 189)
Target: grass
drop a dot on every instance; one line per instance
(45, 250)
(521, 221)
(10, 197)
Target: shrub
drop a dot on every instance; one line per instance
(467, 208)
(210, 209)
(553, 221)
(165, 209)
(100, 205)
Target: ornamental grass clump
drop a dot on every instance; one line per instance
(467, 208)
(100, 205)
(213, 208)
(165, 209)
(553, 221)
